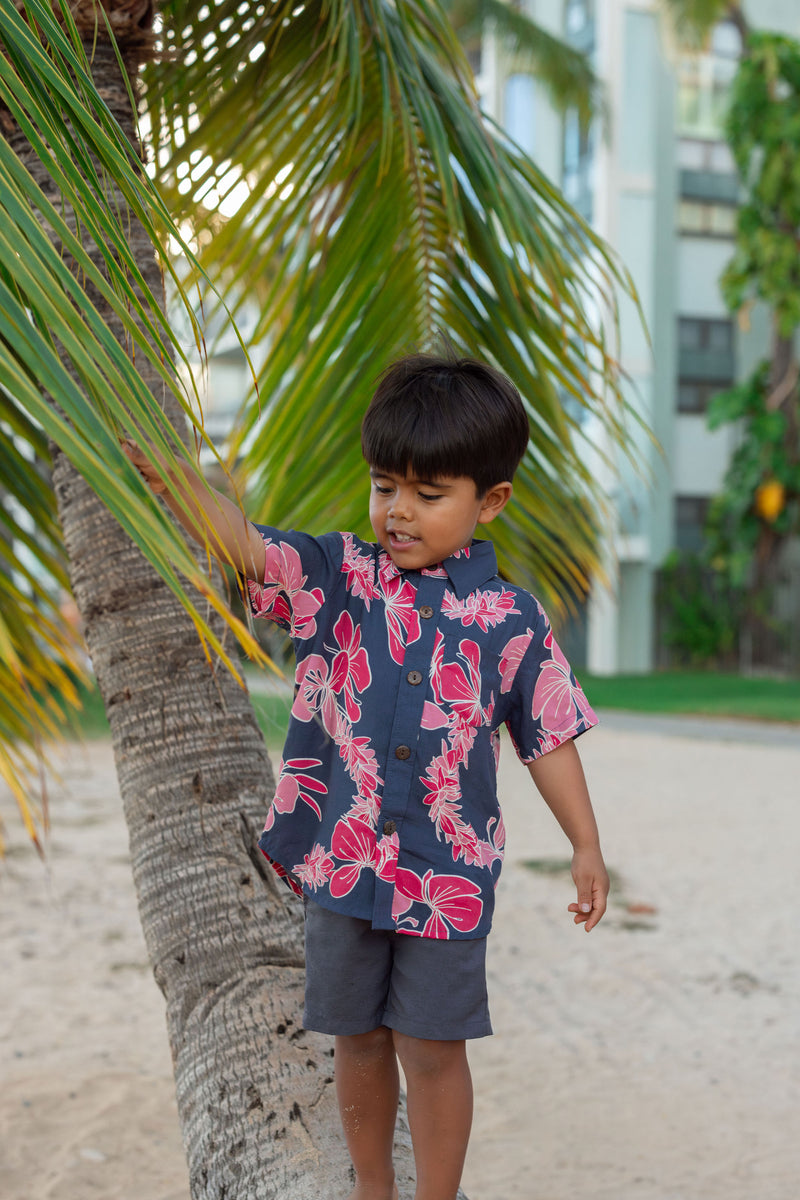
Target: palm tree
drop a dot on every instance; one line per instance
(378, 204)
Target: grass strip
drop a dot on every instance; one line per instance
(690, 692)
(272, 713)
(702, 693)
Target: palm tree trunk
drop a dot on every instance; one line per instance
(254, 1089)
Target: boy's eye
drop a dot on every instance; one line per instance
(382, 491)
(431, 496)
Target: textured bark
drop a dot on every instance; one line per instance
(254, 1089)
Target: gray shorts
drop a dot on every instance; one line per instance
(358, 978)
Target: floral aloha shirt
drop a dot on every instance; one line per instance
(386, 804)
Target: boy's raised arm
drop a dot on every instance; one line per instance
(206, 515)
(559, 777)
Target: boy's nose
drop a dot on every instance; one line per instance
(399, 507)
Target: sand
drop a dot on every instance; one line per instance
(655, 1058)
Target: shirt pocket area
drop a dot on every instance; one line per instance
(465, 680)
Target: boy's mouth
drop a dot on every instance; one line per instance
(401, 541)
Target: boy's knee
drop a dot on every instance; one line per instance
(373, 1044)
(424, 1056)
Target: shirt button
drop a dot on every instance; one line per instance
(425, 611)
(389, 827)
(403, 752)
(414, 677)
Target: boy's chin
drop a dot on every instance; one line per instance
(412, 559)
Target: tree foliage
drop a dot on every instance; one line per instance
(763, 130)
(564, 71)
(376, 205)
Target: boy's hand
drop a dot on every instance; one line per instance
(143, 465)
(591, 880)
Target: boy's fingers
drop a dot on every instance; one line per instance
(596, 914)
(589, 908)
(143, 465)
(131, 450)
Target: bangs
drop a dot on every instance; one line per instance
(439, 418)
(426, 438)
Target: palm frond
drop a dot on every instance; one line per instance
(379, 208)
(565, 72)
(692, 21)
(65, 374)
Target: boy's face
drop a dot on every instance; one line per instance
(421, 522)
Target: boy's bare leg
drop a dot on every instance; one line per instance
(439, 1112)
(368, 1088)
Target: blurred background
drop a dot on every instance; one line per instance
(703, 557)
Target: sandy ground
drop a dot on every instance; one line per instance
(654, 1059)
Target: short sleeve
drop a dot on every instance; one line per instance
(299, 575)
(548, 704)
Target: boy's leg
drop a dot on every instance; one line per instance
(367, 1088)
(439, 1111)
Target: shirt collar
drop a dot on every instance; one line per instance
(467, 569)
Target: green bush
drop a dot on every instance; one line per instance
(701, 612)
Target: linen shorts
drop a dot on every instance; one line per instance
(358, 978)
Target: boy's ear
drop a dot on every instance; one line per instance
(494, 502)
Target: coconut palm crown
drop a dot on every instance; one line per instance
(376, 206)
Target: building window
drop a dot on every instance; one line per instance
(694, 395)
(578, 17)
(520, 106)
(706, 361)
(474, 52)
(699, 154)
(577, 181)
(712, 334)
(698, 219)
(691, 513)
(709, 192)
(578, 177)
(704, 81)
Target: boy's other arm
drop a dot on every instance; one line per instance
(206, 515)
(559, 777)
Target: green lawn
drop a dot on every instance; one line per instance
(707, 693)
(272, 711)
(698, 692)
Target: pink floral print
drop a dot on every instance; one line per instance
(558, 700)
(350, 671)
(402, 618)
(296, 783)
(354, 843)
(454, 901)
(316, 868)
(483, 608)
(284, 598)
(386, 804)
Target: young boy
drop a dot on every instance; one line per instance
(411, 653)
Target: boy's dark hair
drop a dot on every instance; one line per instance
(440, 416)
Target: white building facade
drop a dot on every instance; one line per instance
(659, 185)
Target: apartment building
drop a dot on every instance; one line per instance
(658, 183)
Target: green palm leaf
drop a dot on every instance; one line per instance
(374, 206)
(381, 207)
(565, 72)
(54, 346)
(693, 20)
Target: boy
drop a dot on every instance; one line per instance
(411, 653)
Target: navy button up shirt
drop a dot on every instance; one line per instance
(386, 803)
